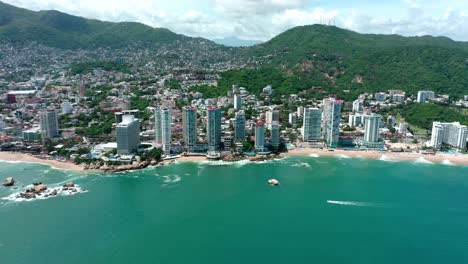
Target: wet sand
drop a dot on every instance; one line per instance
(21, 157)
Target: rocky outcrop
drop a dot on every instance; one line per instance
(9, 182)
(69, 185)
(40, 188)
(136, 165)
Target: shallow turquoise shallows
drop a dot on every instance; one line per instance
(326, 210)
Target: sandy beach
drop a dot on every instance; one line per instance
(21, 157)
(439, 158)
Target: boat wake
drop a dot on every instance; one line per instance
(351, 203)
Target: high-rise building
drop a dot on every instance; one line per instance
(424, 96)
(166, 129)
(358, 105)
(213, 128)
(292, 118)
(331, 121)
(453, 134)
(300, 111)
(237, 102)
(158, 125)
(260, 136)
(128, 135)
(357, 119)
(67, 108)
(240, 127)
(275, 138)
(311, 130)
(272, 116)
(49, 123)
(189, 123)
(371, 132)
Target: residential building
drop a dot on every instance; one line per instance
(260, 136)
(371, 131)
(240, 127)
(292, 118)
(213, 128)
(380, 97)
(189, 123)
(331, 121)
(67, 108)
(453, 134)
(358, 105)
(311, 130)
(49, 123)
(128, 135)
(275, 137)
(158, 125)
(271, 116)
(166, 129)
(424, 96)
(33, 134)
(237, 102)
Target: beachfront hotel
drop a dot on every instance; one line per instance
(331, 121)
(260, 136)
(213, 128)
(128, 135)
(189, 123)
(240, 127)
(452, 134)
(49, 123)
(311, 130)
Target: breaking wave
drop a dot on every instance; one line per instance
(342, 156)
(423, 161)
(314, 155)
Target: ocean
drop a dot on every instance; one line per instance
(326, 210)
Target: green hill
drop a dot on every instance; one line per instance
(348, 60)
(61, 30)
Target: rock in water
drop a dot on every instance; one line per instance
(9, 182)
(69, 185)
(40, 188)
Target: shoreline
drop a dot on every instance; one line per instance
(438, 158)
(26, 158)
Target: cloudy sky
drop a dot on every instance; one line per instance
(263, 19)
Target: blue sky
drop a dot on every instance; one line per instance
(263, 19)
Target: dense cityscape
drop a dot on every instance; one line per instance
(118, 117)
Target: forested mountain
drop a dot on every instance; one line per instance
(334, 59)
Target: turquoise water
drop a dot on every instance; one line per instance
(327, 210)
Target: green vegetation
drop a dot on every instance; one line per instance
(87, 67)
(422, 115)
(382, 61)
(61, 30)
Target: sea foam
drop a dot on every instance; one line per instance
(314, 155)
(342, 156)
(447, 162)
(14, 197)
(423, 161)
